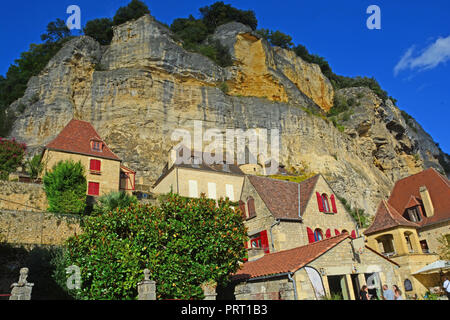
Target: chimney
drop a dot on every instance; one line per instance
(426, 200)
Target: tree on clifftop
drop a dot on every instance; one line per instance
(183, 242)
(134, 10)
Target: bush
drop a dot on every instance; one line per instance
(276, 38)
(11, 156)
(184, 242)
(100, 30)
(219, 13)
(65, 187)
(113, 201)
(134, 10)
(34, 166)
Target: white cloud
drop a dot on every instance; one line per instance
(431, 57)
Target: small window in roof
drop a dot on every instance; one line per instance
(97, 145)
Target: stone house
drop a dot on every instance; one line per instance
(281, 215)
(408, 225)
(194, 176)
(79, 141)
(338, 265)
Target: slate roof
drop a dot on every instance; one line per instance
(438, 187)
(387, 217)
(281, 197)
(288, 260)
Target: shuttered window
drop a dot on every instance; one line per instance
(193, 189)
(251, 207)
(319, 201)
(333, 203)
(93, 188)
(310, 235)
(353, 234)
(336, 232)
(95, 165)
(260, 240)
(328, 233)
(242, 208)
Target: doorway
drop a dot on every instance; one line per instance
(356, 286)
(338, 287)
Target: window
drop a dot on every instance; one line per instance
(96, 145)
(251, 207)
(318, 235)
(413, 214)
(242, 208)
(325, 204)
(95, 165)
(408, 285)
(424, 246)
(230, 191)
(408, 241)
(260, 240)
(212, 190)
(193, 190)
(93, 188)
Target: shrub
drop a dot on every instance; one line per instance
(219, 13)
(183, 242)
(65, 187)
(100, 30)
(114, 200)
(11, 156)
(134, 10)
(34, 166)
(276, 38)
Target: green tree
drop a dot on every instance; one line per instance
(34, 166)
(56, 31)
(134, 10)
(276, 38)
(100, 30)
(184, 242)
(114, 200)
(65, 187)
(219, 13)
(191, 31)
(11, 156)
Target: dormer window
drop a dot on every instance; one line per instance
(413, 214)
(97, 145)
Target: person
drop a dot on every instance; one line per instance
(397, 293)
(446, 286)
(388, 294)
(364, 293)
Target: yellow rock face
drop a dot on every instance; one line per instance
(253, 78)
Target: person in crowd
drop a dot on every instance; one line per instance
(446, 286)
(364, 293)
(397, 293)
(388, 294)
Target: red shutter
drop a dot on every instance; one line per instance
(319, 201)
(251, 207)
(310, 235)
(333, 203)
(242, 208)
(328, 233)
(94, 165)
(93, 188)
(264, 241)
(336, 232)
(354, 234)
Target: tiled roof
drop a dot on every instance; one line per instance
(76, 138)
(281, 197)
(387, 217)
(438, 187)
(287, 261)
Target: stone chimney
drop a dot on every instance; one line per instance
(426, 200)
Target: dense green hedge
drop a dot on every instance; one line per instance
(183, 242)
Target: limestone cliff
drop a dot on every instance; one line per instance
(144, 85)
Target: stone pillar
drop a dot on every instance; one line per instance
(147, 288)
(209, 290)
(351, 290)
(22, 289)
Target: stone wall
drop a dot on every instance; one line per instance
(270, 289)
(37, 228)
(22, 196)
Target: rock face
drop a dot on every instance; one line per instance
(143, 86)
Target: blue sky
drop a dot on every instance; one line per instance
(409, 56)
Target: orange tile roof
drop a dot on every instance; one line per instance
(281, 197)
(387, 217)
(288, 260)
(76, 138)
(438, 187)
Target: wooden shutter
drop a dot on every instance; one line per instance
(336, 232)
(310, 235)
(242, 208)
(354, 234)
(93, 188)
(264, 241)
(251, 207)
(319, 201)
(333, 203)
(328, 233)
(95, 165)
